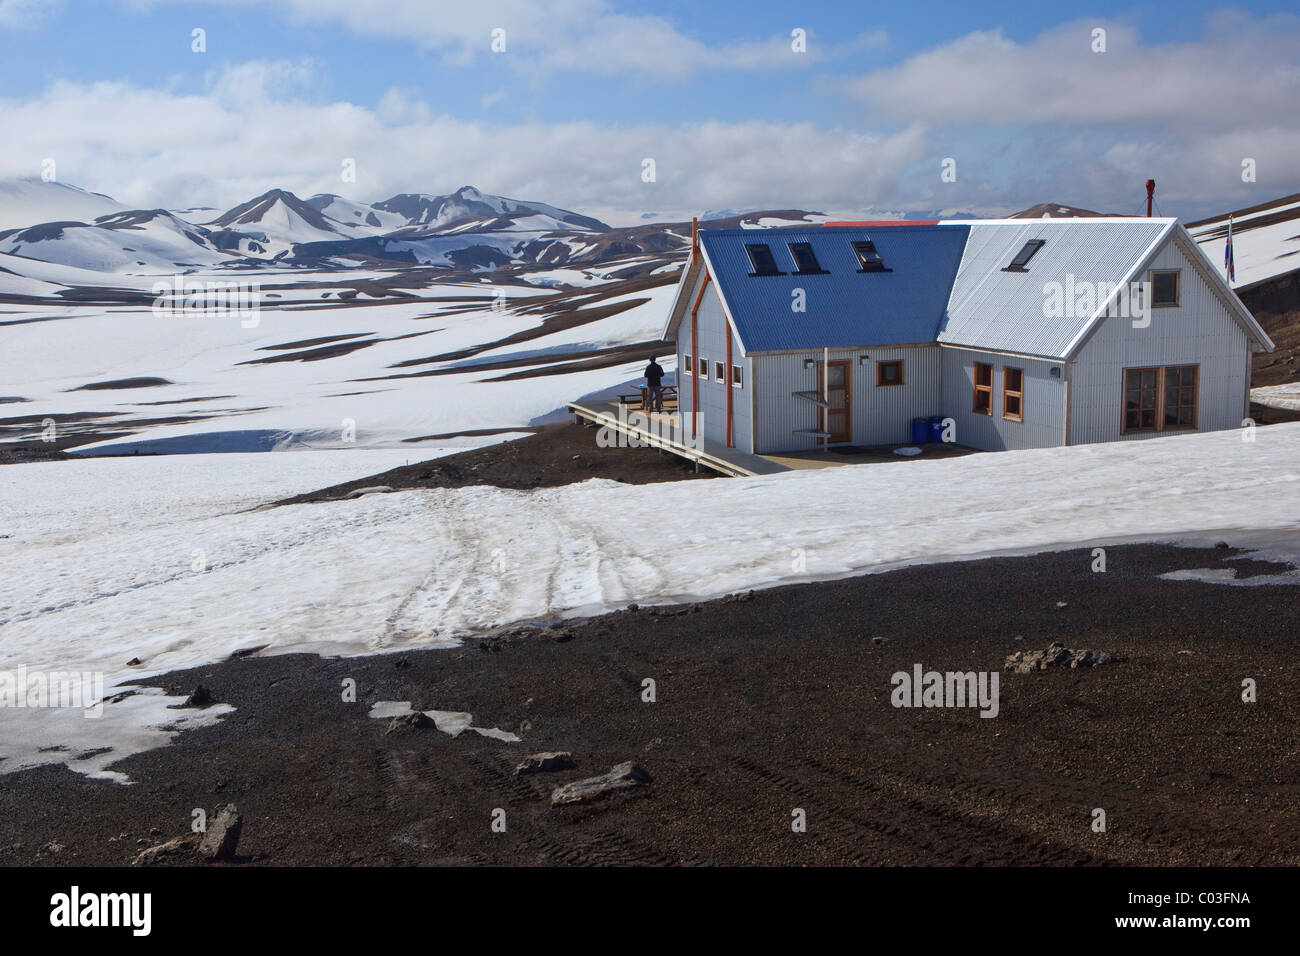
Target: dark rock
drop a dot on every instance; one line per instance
(1221, 545)
(133, 662)
(622, 777)
(172, 848)
(1056, 655)
(200, 696)
(222, 836)
(559, 634)
(412, 721)
(546, 762)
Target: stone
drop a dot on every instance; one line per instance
(172, 848)
(547, 762)
(622, 777)
(416, 720)
(200, 696)
(222, 836)
(1055, 655)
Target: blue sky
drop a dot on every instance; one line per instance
(584, 93)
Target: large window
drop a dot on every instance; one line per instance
(1013, 394)
(1160, 399)
(889, 373)
(983, 402)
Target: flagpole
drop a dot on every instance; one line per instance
(1229, 265)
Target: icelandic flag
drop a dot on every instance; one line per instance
(1228, 265)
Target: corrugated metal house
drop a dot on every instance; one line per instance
(1024, 333)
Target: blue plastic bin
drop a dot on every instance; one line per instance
(920, 431)
(936, 428)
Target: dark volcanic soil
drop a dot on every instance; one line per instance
(555, 455)
(766, 704)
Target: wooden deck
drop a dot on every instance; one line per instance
(663, 431)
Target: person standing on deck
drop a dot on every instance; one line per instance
(654, 376)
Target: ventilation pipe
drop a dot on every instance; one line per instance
(1151, 191)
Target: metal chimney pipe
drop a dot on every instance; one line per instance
(1151, 191)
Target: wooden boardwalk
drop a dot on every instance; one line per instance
(662, 430)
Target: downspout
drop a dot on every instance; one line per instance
(695, 354)
(726, 383)
(826, 397)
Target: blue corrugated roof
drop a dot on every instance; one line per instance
(844, 307)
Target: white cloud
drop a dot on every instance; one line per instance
(25, 14)
(151, 147)
(587, 36)
(1242, 70)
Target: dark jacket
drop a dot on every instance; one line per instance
(654, 374)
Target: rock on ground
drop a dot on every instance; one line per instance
(546, 762)
(622, 777)
(1056, 655)
(222, 836)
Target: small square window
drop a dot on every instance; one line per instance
(805, 259)
(1027, 251)
(736, 377)
(761, 258)
(1164, 289)
(868, 258)
(690, 369)
(889, 373)
(719, 372)
(704, 368)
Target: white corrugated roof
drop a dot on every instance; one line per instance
(993, 309)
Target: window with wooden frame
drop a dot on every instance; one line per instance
(719, 372)
(704, 367)
(1165, 289)
(1160, 398)
(983, 400)
(737, 377)
(1013, 394)
(889, 373)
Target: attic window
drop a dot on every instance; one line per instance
(868, 258)
(1024, 255)
(761, 258)
(805, 260)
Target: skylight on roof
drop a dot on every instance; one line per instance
(1026, 253)
(868, 258)
(805, 260)
(761, 258)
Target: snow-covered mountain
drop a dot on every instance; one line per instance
(467, 208)
(154, 241)
(1265, 239)
(29, 202)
